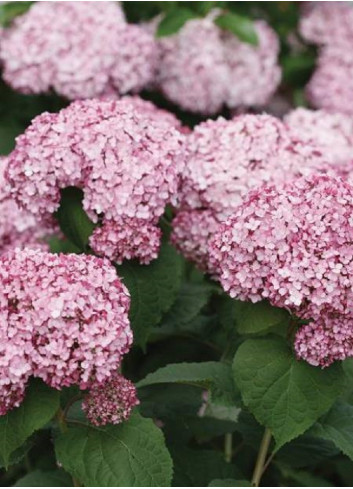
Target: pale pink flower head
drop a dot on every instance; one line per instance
(292, 245)
(331, 86)
(331, 131)
(325, 23)
(192, 230)
(110, 402)
(192, 71)
(202, 68)
(78, 49)
(226, 159)
(18, 227)
(126, 160)
(64, 320)
(254, 72)
(325, 340)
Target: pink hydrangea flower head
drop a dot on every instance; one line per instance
(325, 340)
(192, 230)
(19, 228)
(192, 71)
(78, 49)
(110, 402)
(290, 244)
(124, 157)
(325, 23)
(225, 159)
(332, 132)
(124, 239)
(254, 72)
(201, 68)
(65, 320)
(331, 86)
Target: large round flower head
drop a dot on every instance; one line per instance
(291, 244)
(226, 159)
(332, 132)
(326, 22)
(110, 402)
(325, 340)
(19, 228)
(78, 49)
(202, 68)
(254, 72)
(192, 71)
(126, 160)
(191, 233)
(64, 319)
(331, 86)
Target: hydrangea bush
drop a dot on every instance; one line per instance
(176, 244)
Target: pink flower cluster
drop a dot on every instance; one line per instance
(19, 228)
(64, 320)
(226, 159)
(292, 244)
(332, 132)
(124, 154)
(325, 340)
(329, 24)
(79, 49)
(110, 402)
(326, 22)
(201, 68)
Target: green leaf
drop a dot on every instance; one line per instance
(131, 454)
(306, 479)
(153, 290)
(10, 10)
(73, 220)
(39, 406)
(215, 376)
(197, 468)
(240, 26)
(173, 21)
(40, 478)
(189, 302)
(337, 426)
(298, 68)
(284, 394)
(259, 316)
(229, 483)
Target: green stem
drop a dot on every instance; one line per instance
(61, 420)
(60, 416)
(228, 447)
(261, 458)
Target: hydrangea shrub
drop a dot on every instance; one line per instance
(176, 244)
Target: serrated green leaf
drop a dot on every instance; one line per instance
(229, 483)
(337, 426)
(189, 302)
(73, 220)
(153, 290)
(284, 394)
(253, 318)
(131, 454)
(240, 26)
(40, 478)
(39, 406)
(173, 21)
(197, 468)
(215, 376)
